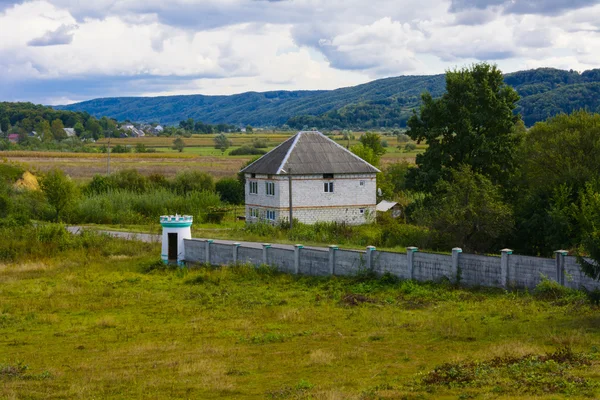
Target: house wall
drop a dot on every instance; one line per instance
(353, 199)
(467, 269)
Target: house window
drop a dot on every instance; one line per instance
(362, 210)
(253, 187)
(253, 176)
(362, 183)
(271, 215)
(270, 188)
(328, 187)
(253, 213)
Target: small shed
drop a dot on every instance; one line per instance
(389, 206)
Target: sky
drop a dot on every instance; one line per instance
(65, 51)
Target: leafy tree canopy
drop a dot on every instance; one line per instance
(472, 123)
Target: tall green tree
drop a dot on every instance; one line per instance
(373, 141)
(60, 191)
(472, 123)
(558, 159)
(58, 130)
(178, 144)
(222, 142)
(4, 124)
(468, 209)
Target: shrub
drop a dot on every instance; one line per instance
(230, 190)
(129, 179)
(190, 181)
(120, 149)
(246, 151)
(260, 143)
(410, 147)
(125, 207)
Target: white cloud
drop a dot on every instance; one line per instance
(129, 47)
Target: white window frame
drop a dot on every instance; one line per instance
(254, 212)
(328, 187)
(270, 185)
(269, 214)
(253, 187)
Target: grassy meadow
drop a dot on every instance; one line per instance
(199, 154)
(96, 317)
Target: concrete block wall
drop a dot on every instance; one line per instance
(479, 270)
(525, 271)
(314, 262)
(393, 263)
(574, 278)
(507, 271)
(431, 267)
(348, 262)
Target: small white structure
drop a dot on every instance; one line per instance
(176, 228)
(327, 182)
(390, 206)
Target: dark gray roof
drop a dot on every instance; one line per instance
(309, 153)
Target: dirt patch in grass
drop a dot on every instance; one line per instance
(354, 299)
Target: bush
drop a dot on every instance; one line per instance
(410, 147)
(129, 179)
(120, 149)
(125, 207)
(230, 190)
(260, 143)
(193, 181)
(246, 151)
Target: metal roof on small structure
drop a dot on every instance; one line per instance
(385, 205)
(308, 153)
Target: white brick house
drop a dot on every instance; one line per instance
(329, 183)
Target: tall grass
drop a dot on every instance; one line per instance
(125, 207)
(26, 243)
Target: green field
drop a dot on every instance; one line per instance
(199, 154)
(98, 318)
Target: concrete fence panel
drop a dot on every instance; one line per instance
(349, 262)
(250, 255)
(394, 263)
(283, 259)
(431, 267)
(195, 250)
(527, 272)
(314, 262)
(477, 270)
(221, 254)
(575, 278)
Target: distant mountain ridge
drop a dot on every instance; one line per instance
(381, 103)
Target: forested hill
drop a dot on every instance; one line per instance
(381, 103)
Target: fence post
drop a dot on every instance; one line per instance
(505, 275)
(410, 256)
(454, 273)
(297, 249)
(266, 247)
(332, 250)
(207, 251)
(560, 265)
(370, 250)
(236, 246)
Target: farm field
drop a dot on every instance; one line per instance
(107, 321)
(199, 154)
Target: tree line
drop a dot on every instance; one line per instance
(487, 182)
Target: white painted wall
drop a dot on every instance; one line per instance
(310, 202)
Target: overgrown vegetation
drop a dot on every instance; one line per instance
(92, 316)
